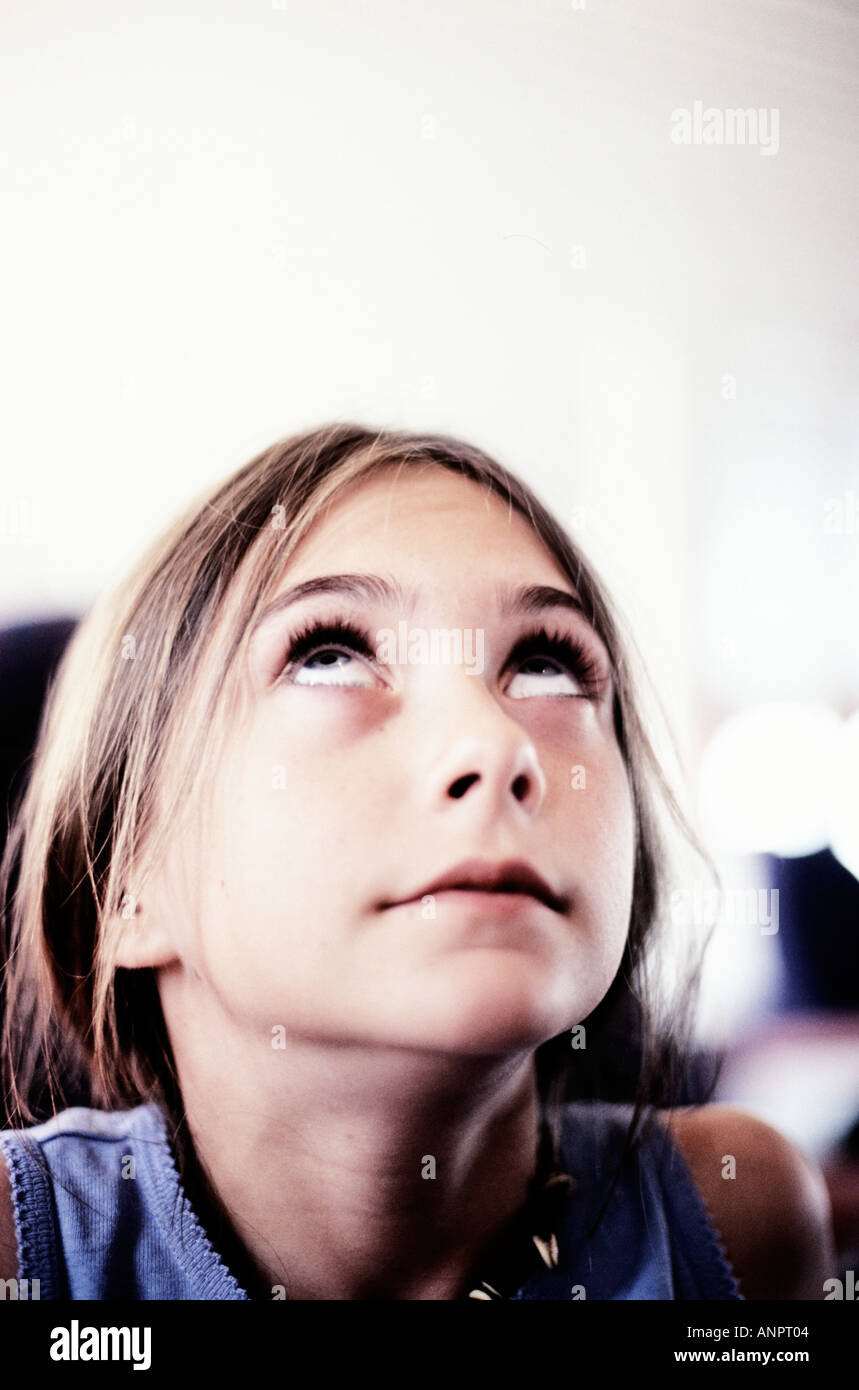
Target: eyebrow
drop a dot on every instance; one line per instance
(529, 598)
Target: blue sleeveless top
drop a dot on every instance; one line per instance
(108, 1219)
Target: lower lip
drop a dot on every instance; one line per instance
(478, 900)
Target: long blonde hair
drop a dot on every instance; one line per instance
(109, 778)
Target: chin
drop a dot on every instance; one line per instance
(501, 1001)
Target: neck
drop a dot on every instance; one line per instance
(348, 1189)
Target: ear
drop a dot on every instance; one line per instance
(142, 939)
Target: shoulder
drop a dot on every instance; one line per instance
(767, 1201)
(8, 1234)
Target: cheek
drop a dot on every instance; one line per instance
(283, 825)
(310, 757)
(600, 821)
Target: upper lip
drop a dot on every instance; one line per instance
(509, 876)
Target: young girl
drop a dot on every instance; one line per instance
(339, 864)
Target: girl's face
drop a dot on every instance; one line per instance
(361, 774)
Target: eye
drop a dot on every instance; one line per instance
(558, 663)
(323, 653)
(308, 660)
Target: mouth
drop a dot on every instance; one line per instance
(481, 878)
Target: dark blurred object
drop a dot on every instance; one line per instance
(841, 1170)
(818, 920)
(29, 655)
(819, 942)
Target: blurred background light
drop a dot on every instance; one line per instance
(767, 777)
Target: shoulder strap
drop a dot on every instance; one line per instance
(637, 1227)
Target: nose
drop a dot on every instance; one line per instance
(501, 778)
(493, 767)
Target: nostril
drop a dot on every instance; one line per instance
(520, 787)
(461, 785)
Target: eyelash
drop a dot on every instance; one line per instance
(567, 651)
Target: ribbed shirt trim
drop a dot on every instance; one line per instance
(182, 1229)
(35, 1216)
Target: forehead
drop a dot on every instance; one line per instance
(429, 523)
